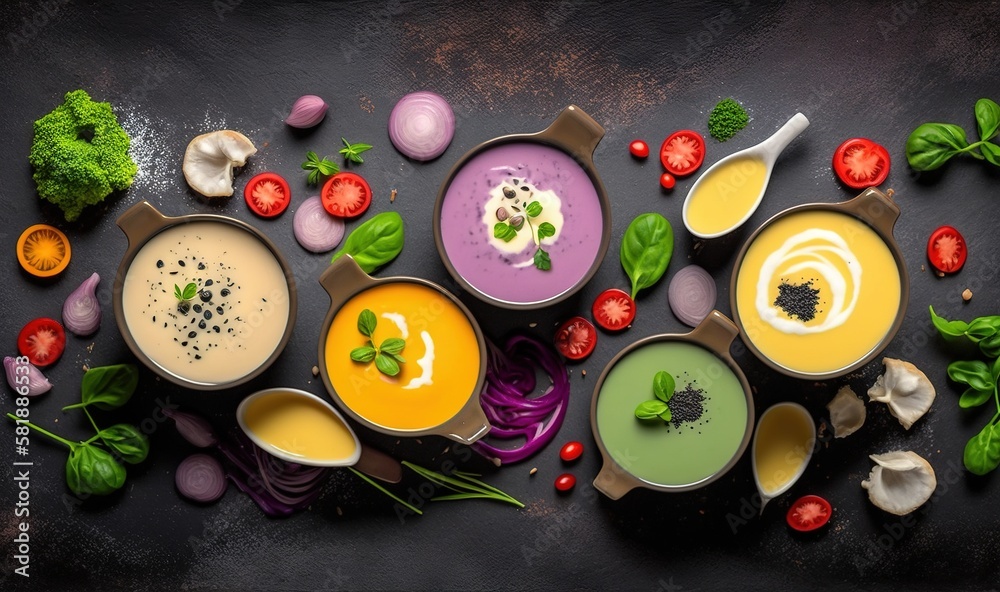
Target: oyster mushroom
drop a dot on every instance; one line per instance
(907, 391)
(210, 158)
(847, 412)
(900, 481)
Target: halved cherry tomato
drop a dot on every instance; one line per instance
(667, 181)
(43, 250)
(614, 309)
(682, 152)
(565, 482)
(42, 341)
(576, 338)
(267, 194)
(946, 249)
(809, 513)
(639, 149)
(571, 451)
(346, 195)
(861, 163)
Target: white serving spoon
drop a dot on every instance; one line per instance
(767, 152)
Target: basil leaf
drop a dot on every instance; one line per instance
(93, 471)
(375, 242)
(386, 365)
(982, 453)
(178, 293)
(991, 346)
(533, 210)
(392, 345)
(667, 415)
(973, 397)
(363, 354)
(400, 359)
(932, 144)
(974, 373)
(995, 371)
(987, 118)
(991, 152)
(131, 445)
(980, 328)
(545, 230)
(107, 387)
(650, 409)
(367, 323)
(504, 232)
(948, 328)
(190, 290)
(646, 249)
(663, 386)
(542, 260)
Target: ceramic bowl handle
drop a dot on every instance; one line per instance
(469, 425)
(876, 208)
(343, 279)
(716, 332)
(613, 481)
(576, 131)
(140, 222)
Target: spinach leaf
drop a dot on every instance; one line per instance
(974, 373)
(375, 242)
(991, 346)
(987, 118)
(948, 328)
(974, 398)
(982, 453)
(93, 471)
(991, 152)
(127, 441)
(932, 144)
(107, 387)
(646, 249)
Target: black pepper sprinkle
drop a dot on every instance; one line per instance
(192, 334)
(181, 262)
(208, 314)
(201, 266)
(220, 310)
(798, 300)
(208, 283)
(197, 308)
(202, 324)
(216, 328)
(197, 357)
(224, 292)
(159, 263)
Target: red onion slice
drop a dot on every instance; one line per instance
(200, 478)
(193, 428)
(422, 125)
(81, 312)
(315, 229)
(16, 371)
(691, 295)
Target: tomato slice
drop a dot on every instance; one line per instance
(267, 194)
(43, 250)
(682, 152)
(346, 195)
(861, 163)
(946, 249)
(576, 338)
(42, 341)
(614, 309)
(808, 513)
(639, 149)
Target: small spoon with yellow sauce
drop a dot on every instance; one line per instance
(728, 193)
(782, 447)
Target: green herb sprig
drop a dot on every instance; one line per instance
(982, 452)
(318, 168)
(647, 246)
(352, 152)
(508, 228)
(187, 292)
(465, 485)
(93, 469)
(386, 356)
(664, 386)
(932, 144)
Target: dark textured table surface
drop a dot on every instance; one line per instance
(177, 68)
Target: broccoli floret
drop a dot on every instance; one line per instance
(80, 154)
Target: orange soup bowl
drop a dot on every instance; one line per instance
(206, 302)
(414, 367)
(820, 289)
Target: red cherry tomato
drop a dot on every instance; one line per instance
(576, 338)
(861, 163)
(42, 341)
(571, 451)
(614, 309)
(346, 195)
(946, 249)
(682, 152)
(809, 513)
(267, 194)
(639, 149)
(667, 181)
(565, 482)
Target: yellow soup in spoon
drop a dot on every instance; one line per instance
(441, 357)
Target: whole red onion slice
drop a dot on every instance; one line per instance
(422, 125)
(314, 227)
(81, 312)
(200, 478)
(691, 295)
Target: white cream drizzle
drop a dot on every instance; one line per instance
(426, 362)
(551, 213)
(797, 256)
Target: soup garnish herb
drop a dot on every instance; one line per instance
(509, 225)
(932, 144)
(352, 152)
(663, 389)
(646, 249)
(375, 242)
(183, 296)
(318, 168)
(386, 356)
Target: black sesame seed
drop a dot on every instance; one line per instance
(192, 334)
(798, 300)
(220, 310)
(201, 266)
(202, 324)
(181, 262)
(216, 328)
(224, 292)
(208, 314)
(159, 263)
(208, 283)
(197, 357)
(197, 308)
